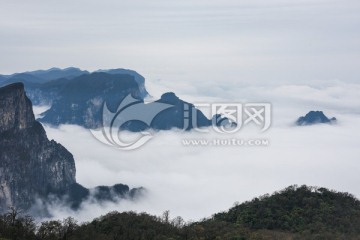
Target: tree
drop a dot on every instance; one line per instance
(12, 215)
(166, 216)
(69, 225)
(50, 230)
(178, 222)
(16, 226)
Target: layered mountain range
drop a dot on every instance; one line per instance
(33, 167)
(78, 97)
(43, 87)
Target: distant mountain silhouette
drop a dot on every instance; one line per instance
(137, 77)
(41, 76)
(314, 117)
(80, 101)
(56, 73)
(24, 77)
(77, 97)
(176, 116)
(37, 82)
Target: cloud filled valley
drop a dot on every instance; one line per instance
(183, 178)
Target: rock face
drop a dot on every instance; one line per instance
(140, 80)
(30, 165)
(80, 101)
(33, 167)
(314, 117)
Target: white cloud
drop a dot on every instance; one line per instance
(195, 182)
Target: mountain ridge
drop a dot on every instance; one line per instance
(54, 73)
(80, 100)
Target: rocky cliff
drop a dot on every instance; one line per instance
(34, 168)
(31, 166)
(81, 99)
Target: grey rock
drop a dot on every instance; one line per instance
(31, 166)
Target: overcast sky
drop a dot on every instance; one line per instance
(228, 42)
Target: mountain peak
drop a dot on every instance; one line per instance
(170, 97)
(15, 108)
(13, 87)
(314, 117)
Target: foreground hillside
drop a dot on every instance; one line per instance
(293, 213)
(298, 209)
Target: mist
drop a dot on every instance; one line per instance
(197, 181)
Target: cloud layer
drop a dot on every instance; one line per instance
(197, 181)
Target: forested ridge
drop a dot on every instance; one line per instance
(293, 213)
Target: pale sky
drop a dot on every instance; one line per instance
(226, 42)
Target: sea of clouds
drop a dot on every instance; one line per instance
(198, 181)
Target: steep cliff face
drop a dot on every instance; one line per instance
(80, 101)
(31, 166)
